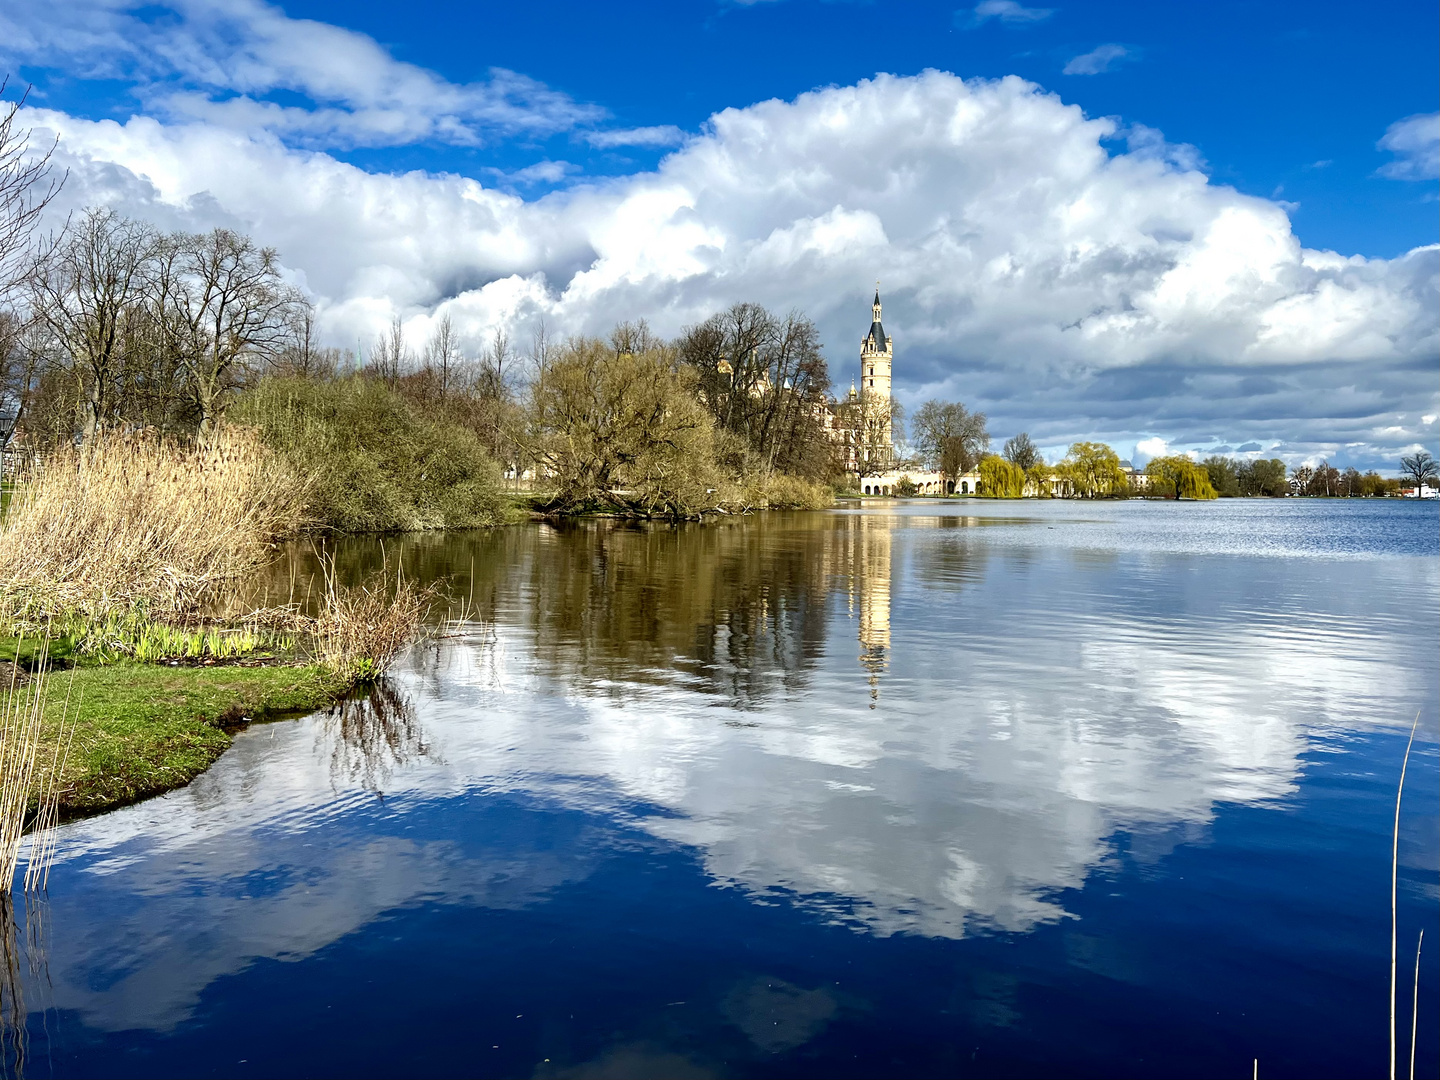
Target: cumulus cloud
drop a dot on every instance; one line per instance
(1064, 288)
(1006, 11)
(1146, 450)
(1097, 61)
(1415, 142)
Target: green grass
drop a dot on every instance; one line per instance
(144, 729)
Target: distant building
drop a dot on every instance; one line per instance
(863, 422)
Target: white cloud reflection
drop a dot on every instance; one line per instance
(985, 716)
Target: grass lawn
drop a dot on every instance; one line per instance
(144, 729)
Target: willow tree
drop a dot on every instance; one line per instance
(1180, 478)
(1001, 479)
(1091, 471)
(627, 430)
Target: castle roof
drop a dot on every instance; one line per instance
(876, 336)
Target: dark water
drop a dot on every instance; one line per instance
(907, 790)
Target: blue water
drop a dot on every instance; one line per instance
(903, 789)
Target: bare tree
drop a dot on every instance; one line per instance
(1021, 450)
(26, 187)
(88, 288)
(228, 308)
(390, 355)
(765, 381)
(441, 353)
(953, 438)
(302, 353)
(1422, 468)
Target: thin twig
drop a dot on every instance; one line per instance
(1415, 1004)
(1394, 878)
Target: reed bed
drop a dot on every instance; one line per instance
(131, 521)
(29, 778)
(361, 629)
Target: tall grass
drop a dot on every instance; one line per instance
(27, 779)
(128, 521)
(362, 629)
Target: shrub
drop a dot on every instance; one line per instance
(380, 462)
(361, 629)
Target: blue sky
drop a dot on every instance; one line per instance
(607, 180)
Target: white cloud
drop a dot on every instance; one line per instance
(1007, 11)
(217, 60)
(1062, 288)
(1415, 142)
(1097, 61)
(661, 135)
(1147, 450)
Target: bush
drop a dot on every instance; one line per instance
(379, 462)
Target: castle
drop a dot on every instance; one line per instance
(869, 432)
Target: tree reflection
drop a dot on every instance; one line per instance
(369, 734)
(739, 609)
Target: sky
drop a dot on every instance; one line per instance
(1187, 227)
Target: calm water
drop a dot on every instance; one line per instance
(1040, 789)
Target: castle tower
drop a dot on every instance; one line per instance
(877, 353)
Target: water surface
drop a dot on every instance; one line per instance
(916, 788)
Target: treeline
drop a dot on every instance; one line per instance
(955, 441)
(115, 326)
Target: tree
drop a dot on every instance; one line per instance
(1000, 478)
(1262, 477)
(441, 354)
(764, 380)
(303, 355)
(1224, 474)
(1019, 450)
(1300, 478)
(952, 438)
(1092, 470)
(1180, 478)
(390, 355)
(229, 309)
(867, 423)
(622, 429)
(26, 188)
(88, 289)
(1421, 468)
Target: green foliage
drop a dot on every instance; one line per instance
(1001, 479)
(905, 487)
(1265, 476)
(379, 462)
(1224, 474)
(623, 430)
(1092, 471)
(1180, 478)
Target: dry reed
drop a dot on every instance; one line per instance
(361, 629)
(1394, 880)
(26, 779)
(128, 521)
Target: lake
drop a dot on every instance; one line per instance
(900, 789)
